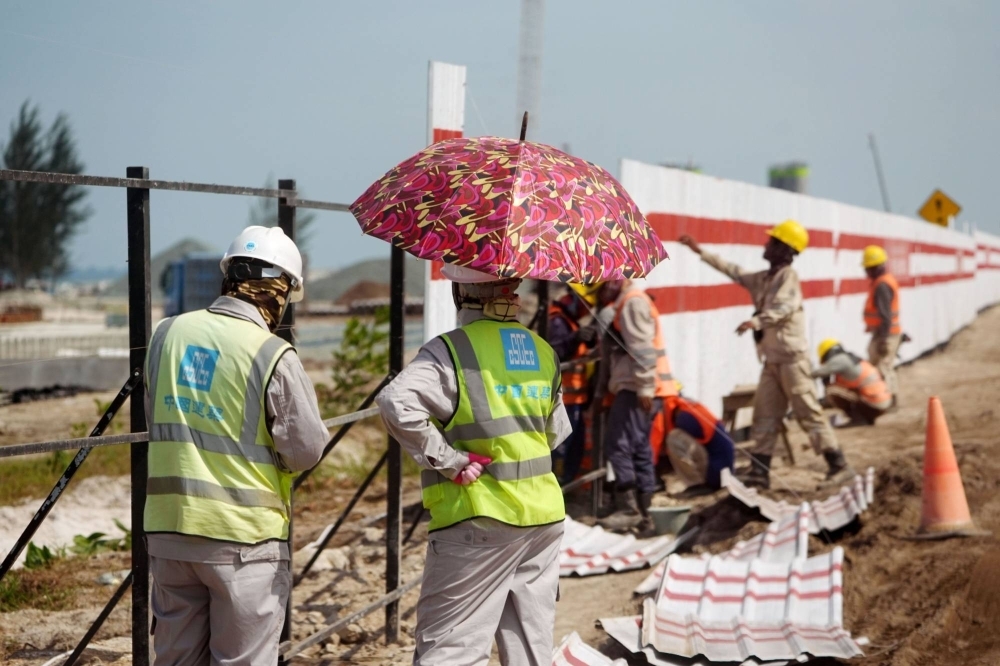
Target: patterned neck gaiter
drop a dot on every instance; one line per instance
(268, 295)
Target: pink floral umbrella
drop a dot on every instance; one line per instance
(511, 209)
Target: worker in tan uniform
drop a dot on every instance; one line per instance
(638, 375)
(232, 416)
(480, 409)
(778, 323)
(882, 316)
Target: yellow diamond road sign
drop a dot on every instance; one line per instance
(938, 208)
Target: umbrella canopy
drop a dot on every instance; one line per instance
(511, 209)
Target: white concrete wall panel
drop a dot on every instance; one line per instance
(445, 120)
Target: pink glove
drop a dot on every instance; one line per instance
(473, 470)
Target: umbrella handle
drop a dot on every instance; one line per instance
(524, 125)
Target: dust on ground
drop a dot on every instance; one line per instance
(920, 603)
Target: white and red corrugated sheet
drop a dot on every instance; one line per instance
(587, 551)
(574, 652)
(727, 610)
(830, 514)
(782, 541)
(445, 120)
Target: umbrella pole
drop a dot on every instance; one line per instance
(524, 125)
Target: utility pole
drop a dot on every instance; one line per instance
(878, 172)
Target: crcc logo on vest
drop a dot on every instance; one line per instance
(519, 349)
(198, 368)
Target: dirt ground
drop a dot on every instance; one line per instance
(919, 603)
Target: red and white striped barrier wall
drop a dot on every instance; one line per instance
(445, 120)
(937, 268)
(987, 268)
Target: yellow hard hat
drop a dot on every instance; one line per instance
(792, 234)
(874, 256)
(680, 386)
(826, 346)
(587, 292)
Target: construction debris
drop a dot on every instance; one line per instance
(587, 551)
(574, 652)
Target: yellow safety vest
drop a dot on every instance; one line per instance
(508, 379)
(213, 470)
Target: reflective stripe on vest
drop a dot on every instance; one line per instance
(869, 384)
(657, 355)
(508, 379)
(574, 380)
(872, 318)
(213, 470)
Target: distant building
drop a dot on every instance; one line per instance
(791, 176)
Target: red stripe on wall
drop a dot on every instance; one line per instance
(442, 134)
(669, 226)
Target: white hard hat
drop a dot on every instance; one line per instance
(465, 275)
(269, 244)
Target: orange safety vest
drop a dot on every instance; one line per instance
(706, 419)
(665, 384)
(869, 384)
(574, 380)
(872, 318)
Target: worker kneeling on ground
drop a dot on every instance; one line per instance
(854, 385)
(231, 415)
(480, 409)
(573, 344)
(698, 445)
(778, 324)
(882, 316)
(638, 375)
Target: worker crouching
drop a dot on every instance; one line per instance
(778, 323)
(480, 410)
(853, 385)
(698, 445)
(232, 414)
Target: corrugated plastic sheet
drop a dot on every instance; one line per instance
(782, 541)
(574, 652)
(729, 610)
(830, 514)
(628, 632)
(587, 551)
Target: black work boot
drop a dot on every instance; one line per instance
(610, 506)
(758, 474)
(838, 471)
(628, 514)
(645, 528)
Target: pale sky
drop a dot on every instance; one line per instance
(334, 94)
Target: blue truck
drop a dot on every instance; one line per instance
(191, 283)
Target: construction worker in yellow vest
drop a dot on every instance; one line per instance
(480, 409)
(638, 375)
(853, 385)
(232, 415)
(779, 326)
(882, 316)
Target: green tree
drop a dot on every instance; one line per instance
(264, 213)
(37, 220)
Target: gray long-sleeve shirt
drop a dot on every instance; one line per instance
(839, 364)
(629, 352)
(295, 424)
(427, 391)
(777, 298)
(883, 305)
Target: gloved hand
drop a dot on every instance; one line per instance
(473, 470)
(587, 335)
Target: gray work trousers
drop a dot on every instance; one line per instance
(225, 614)
(482, 584)
(882, 354)
(783, 385)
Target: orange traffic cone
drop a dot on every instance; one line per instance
(945, 510)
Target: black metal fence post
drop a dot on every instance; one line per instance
(139, 329)
(542, 323)
(394, 501)
(286, 331)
